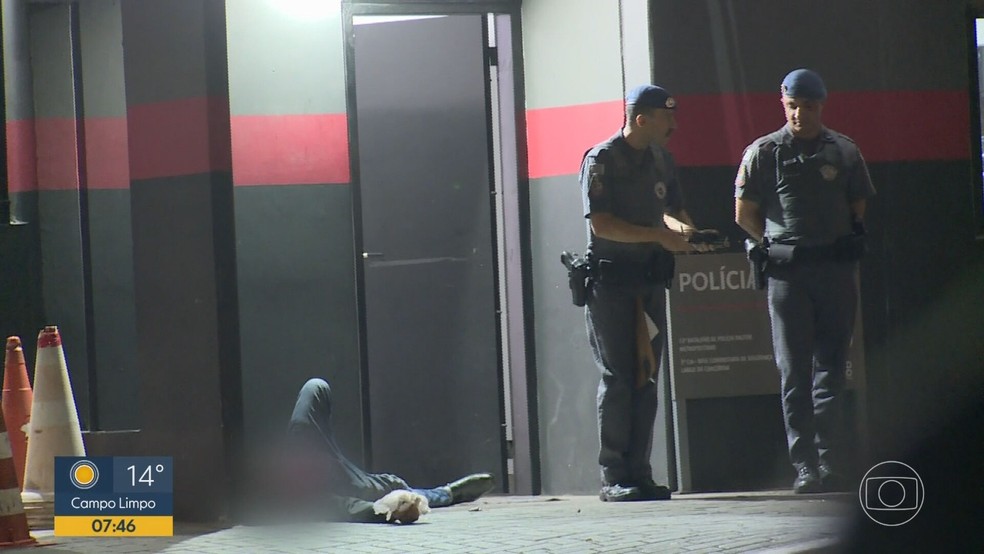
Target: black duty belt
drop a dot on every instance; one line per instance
(846, 249)
(658, 269)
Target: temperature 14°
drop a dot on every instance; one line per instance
(146, 476)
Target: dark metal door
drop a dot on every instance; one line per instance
(429, 270)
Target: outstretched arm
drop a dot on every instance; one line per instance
(679, 221)
(607, 226)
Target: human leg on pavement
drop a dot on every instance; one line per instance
(310, 423)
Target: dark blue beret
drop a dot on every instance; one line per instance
(650, 96)
(804, 83)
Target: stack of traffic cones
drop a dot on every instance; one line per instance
(13, 520)
(16, 403)
(54, 429)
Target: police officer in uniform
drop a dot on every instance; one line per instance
(803, 189)
(634, 207)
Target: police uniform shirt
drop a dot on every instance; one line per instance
(637, 186)
(805, 197)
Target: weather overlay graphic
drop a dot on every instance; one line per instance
(114, 496)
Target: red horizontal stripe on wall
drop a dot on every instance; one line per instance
(713, 130)
(557, 138)
(57, 153)
(889, 126)
(179, 137)
(290, 149)
(107, 155)
(22, 175)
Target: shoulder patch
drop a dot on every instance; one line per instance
(742, 175)
(596, 188)
(749, 155)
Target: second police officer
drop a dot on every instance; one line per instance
(803, 189)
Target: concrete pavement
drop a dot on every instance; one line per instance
(732, 522)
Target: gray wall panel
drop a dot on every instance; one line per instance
(733, 46)
(24, 206)
(114, 316)
(571, 52)
(566, 375)
(216, 55)
(51, 56)
(61, 272)
(102, 58)
(17, 81)
(297, 305)
(636, 43)
(178, 336)
(20, 286)
(281, 64)
(164, 39)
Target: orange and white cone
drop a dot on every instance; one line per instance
(13, 520)
(16, 401)
(54, 429)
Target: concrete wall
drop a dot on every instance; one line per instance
(22, 178)
(58, 193)
(69, 184)
(183, 242)
(295, 247)
(110, 240)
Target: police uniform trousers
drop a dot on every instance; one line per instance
(812, 307)
(626, 412)
(310, 428)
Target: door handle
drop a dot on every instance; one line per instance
(367, 255)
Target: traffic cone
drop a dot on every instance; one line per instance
(13, 520)
(54, 429)
(16, 401)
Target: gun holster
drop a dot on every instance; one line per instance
(758, 257)
(578, 277)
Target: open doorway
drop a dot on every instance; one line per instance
(436, 219)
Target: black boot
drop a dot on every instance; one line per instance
(471, 487)
(620, 493)
(649, 490)
(807, 480)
